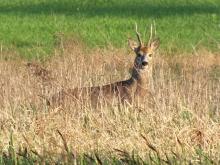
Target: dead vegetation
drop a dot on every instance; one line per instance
(185, 118)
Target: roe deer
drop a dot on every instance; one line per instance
(136, 87)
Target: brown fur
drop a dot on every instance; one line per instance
(123, 92)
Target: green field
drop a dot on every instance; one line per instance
(34, 27)
(46, 47)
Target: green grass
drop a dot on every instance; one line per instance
(84, 159)
(31, 26)
(117, 157)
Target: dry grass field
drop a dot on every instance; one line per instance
(182, 126)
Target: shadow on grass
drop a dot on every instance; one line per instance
(118, 10)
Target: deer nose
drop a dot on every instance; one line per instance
(144, 63)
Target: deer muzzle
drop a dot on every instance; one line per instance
(144, 63)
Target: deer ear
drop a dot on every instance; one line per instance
(154, 45)
(133, 45)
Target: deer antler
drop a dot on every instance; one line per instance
(151, 32)
(138, 35)
(155, 31)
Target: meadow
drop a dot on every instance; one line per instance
(182, 127)
(35, 27)
(47, 46)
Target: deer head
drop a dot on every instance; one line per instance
(144, 51)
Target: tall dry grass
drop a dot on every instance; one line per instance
(185, 118)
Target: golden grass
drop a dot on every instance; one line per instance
(185, 118)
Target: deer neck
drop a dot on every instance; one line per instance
(141, 77)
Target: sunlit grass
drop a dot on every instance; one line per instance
(33, 27)
(181, 127)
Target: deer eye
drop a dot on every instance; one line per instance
(150, 55)
(139, 55)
